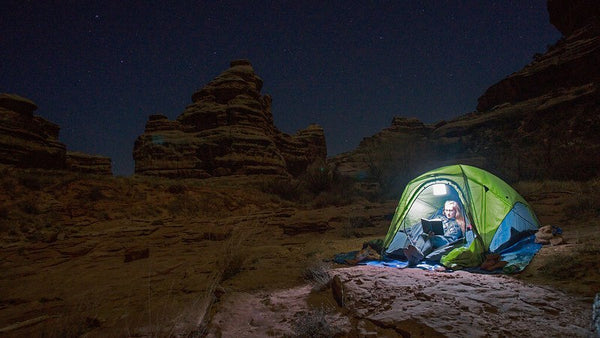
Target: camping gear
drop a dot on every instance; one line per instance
(497, 218)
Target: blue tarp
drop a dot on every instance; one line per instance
(518, 257)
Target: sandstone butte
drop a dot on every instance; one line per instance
(30, 141)
(227, 130)
(524, 124)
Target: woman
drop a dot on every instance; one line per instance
(453, 222)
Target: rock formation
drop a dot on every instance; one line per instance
(86, 163)
(227, 130)
(541, 122)
(30, 141)
(27, 140)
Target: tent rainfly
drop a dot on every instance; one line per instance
(498, 216)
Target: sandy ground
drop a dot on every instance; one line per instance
(110, 271)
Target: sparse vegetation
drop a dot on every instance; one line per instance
(317, 273)
(354, 223)
(587, 201)
(319, 177)
(286, 188)
(61, 213)
(574, 264)
(233, 256)
(320, 186)
(313, 324)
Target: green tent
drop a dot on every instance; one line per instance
(498, 216)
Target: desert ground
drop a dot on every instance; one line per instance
(94, 256)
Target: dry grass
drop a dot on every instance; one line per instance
(317, 274)
(320, 186)
(579, 260)
(313, 324)
(233, 254)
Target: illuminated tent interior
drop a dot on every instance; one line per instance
(498, 219)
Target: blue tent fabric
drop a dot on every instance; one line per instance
(425, 265)
(517, 224)
(387, 263)
(520, 254)
(517, 256)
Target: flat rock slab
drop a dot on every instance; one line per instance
(461, 304)
(411, 303)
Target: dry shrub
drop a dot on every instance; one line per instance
(319, 177)
(313, 324)
(194, 321)
(233, 254)
(327, 185)
(327, 198)
(317, 273)
(321, 185)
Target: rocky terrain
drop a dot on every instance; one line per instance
(229, 227)
(227, 130)
(141, 256)
(30, 141)
(549, 107)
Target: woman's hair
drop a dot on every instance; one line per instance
(460, 219)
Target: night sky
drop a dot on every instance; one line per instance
(98, 69)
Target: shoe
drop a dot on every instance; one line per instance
(413, 255)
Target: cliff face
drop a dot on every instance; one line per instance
(541, 122)
(227, 130)
(568, 16)
(89, 164)
(571, 62)
(27, 140)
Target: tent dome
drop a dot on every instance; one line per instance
(496, 215)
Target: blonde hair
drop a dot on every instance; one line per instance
(460, 219)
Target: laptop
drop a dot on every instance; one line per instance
(434, 225)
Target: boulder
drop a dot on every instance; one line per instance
(227, 130)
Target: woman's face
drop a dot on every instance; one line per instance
(449, 212)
